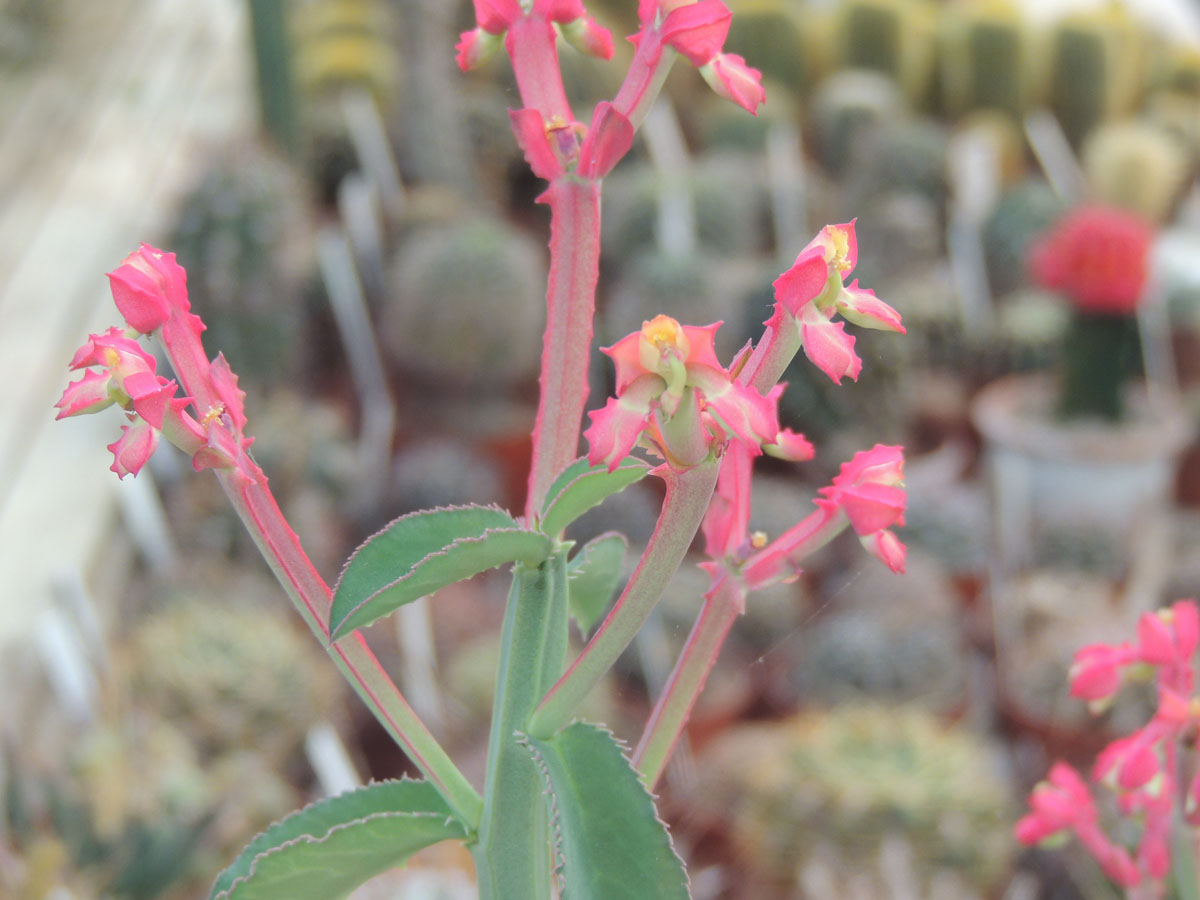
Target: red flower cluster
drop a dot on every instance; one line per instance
(1097, 256)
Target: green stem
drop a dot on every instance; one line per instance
(688, 493)
(772, 354)
(721, 608)
(566, 348)
(281, 548)
(512, 852)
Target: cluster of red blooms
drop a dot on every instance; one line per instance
(1143, 769)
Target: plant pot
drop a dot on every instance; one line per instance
(1083, 480)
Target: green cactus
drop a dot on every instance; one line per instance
(852, 780)
(1096, 70)
(987, 59)
(231, 676)
(894, 37)
(770, 35)
(467, 306)
(1022, 213)
(1136, 166)
(728, 199)
(848, 109)
(339, 43)
(233, 234)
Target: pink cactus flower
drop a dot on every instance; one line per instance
(812, 291)
(146, 285)
(133, 448)
(731, 78)
(671, 386)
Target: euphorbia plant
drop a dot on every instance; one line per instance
(1098, 258)
(561, 803)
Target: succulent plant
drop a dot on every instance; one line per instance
(728, 201)
(1097, 69)
(234, 233)
(987, 59)
(894, 37)
(232, 676)
(772, 34)
(1023, 212)
(1138, 167)
(848, 782)
(467, 307)
(848, 108)
(339, 43)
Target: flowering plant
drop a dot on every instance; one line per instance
(1151, 773)
(1097, 257)
(562, 807)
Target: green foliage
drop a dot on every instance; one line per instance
(326, 850)
(594, 573)
(423, 551)
(609, 842)
(582, 486)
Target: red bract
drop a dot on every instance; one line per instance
(146, 286)
(1097, 257)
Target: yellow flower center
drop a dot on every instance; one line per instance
(841, 249)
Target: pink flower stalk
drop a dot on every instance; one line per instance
(1142, 769)
(868, 495)
(672, 389)
(529, 36)
(150, 291)
(1098, 257)
(554, 148)
(811, 292)
(696, 29)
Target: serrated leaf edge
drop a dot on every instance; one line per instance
(623, 747)
(315, 839)
(555, 825)
(453, 507)
(444, 551)
(600, 469)
(581, 567)
(315, 803)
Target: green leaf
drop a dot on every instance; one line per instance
(582, 486)
(593, 573)
(421, 552)
(325, 851)
(610, 843)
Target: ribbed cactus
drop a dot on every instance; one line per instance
(234, 234)
(1022, 213)
(339, 43)
(895, 37)
(1097, 69)
(467, 306)
(1138, 167)
(987, 58)
(770, 33)
(847, 109)
(848, 783)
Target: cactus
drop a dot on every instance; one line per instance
(846, 109)
(1022, 213)
(1137, 167)
(894, 37)
(728, 200)
(345, 42)
(848, 783)
(1097, 71)
(231, 676)
(466, 308)
(771, 34)
(233, 233)
(987, 59)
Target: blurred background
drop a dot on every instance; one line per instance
(361, 239)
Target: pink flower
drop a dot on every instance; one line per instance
(1096, 672)
(1058, 804)
(811, 292)
(133, 448)
(869, 489)
(671, 386)
(731, 78)
(697, 30)
(1097, 256)
(146, 286)
(495, 17)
